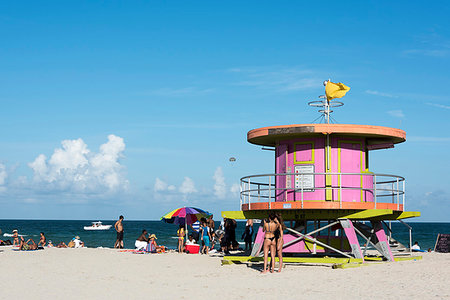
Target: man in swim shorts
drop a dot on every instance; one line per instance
(119, 229)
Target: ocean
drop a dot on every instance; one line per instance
(64, 230)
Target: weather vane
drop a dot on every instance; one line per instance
(332, 91)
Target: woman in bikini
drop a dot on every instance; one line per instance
(279, 238)
(269, 228)
(180, 234)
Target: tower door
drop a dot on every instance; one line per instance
(350, 155)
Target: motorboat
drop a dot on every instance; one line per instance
(97, 226)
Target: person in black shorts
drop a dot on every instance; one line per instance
(119, 229)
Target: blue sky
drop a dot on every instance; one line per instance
(112, 108)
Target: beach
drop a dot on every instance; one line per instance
(89, 273)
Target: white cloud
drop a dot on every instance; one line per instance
(235, 189)
(160, 185)
(220, 190)
(3, 176)
(439, 105)
(396, 113)
(279, 79)
(73, 167)
(377, 93)
(188, 186)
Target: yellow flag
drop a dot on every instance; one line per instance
(335, 90)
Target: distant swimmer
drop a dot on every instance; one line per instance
(119, 229)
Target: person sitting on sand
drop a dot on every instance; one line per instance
(16, 241)
(415, 247)
(71, 244)
(26, 246)
(42, 240)
(50, 244)
(190, 240)
(153, 246)
(77, 242)
(269, 228)
(180, 234)
(62, 245)
(142, 241)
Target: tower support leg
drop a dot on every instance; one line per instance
(259, 240)
(349, 230)
(383, 244)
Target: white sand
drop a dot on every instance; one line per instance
(109, 274)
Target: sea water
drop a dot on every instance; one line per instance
(64, 230)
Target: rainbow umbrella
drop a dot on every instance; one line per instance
(185, 216)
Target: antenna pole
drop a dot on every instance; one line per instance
(325, 106)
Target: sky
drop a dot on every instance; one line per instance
(134, 108)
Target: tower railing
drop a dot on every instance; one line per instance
(375, 188)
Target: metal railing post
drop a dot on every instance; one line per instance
(248, 193)
(259, 192)
(404, 193)
(240, 195)
(270, 191)
(375, 189)
(301, 186)
(340, 190)
(398, 196)
(393, 194)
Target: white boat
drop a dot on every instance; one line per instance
(97, 226)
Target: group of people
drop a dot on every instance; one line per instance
(225, 236)
(147, 242)
(273, 228)
(30, 244)
(203, 231)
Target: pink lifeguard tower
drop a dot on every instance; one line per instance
(333, 205)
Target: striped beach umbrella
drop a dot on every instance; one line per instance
(185, 216)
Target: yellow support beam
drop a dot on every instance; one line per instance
(338, 262)
(318, 260)
(396, 258)
(398, 215)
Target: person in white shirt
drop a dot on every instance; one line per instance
(190, 240)
(415, 247)
(78, 242)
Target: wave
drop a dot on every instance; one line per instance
(11, 235)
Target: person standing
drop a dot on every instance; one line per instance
(195, 230)
(247, 236)
(279, 239)
(42, 240)
(119, 229)
(205, 231)
(210, 223)
(16, 237)
(180, 234)
(269, 227)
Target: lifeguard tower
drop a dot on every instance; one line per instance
(323, 187)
